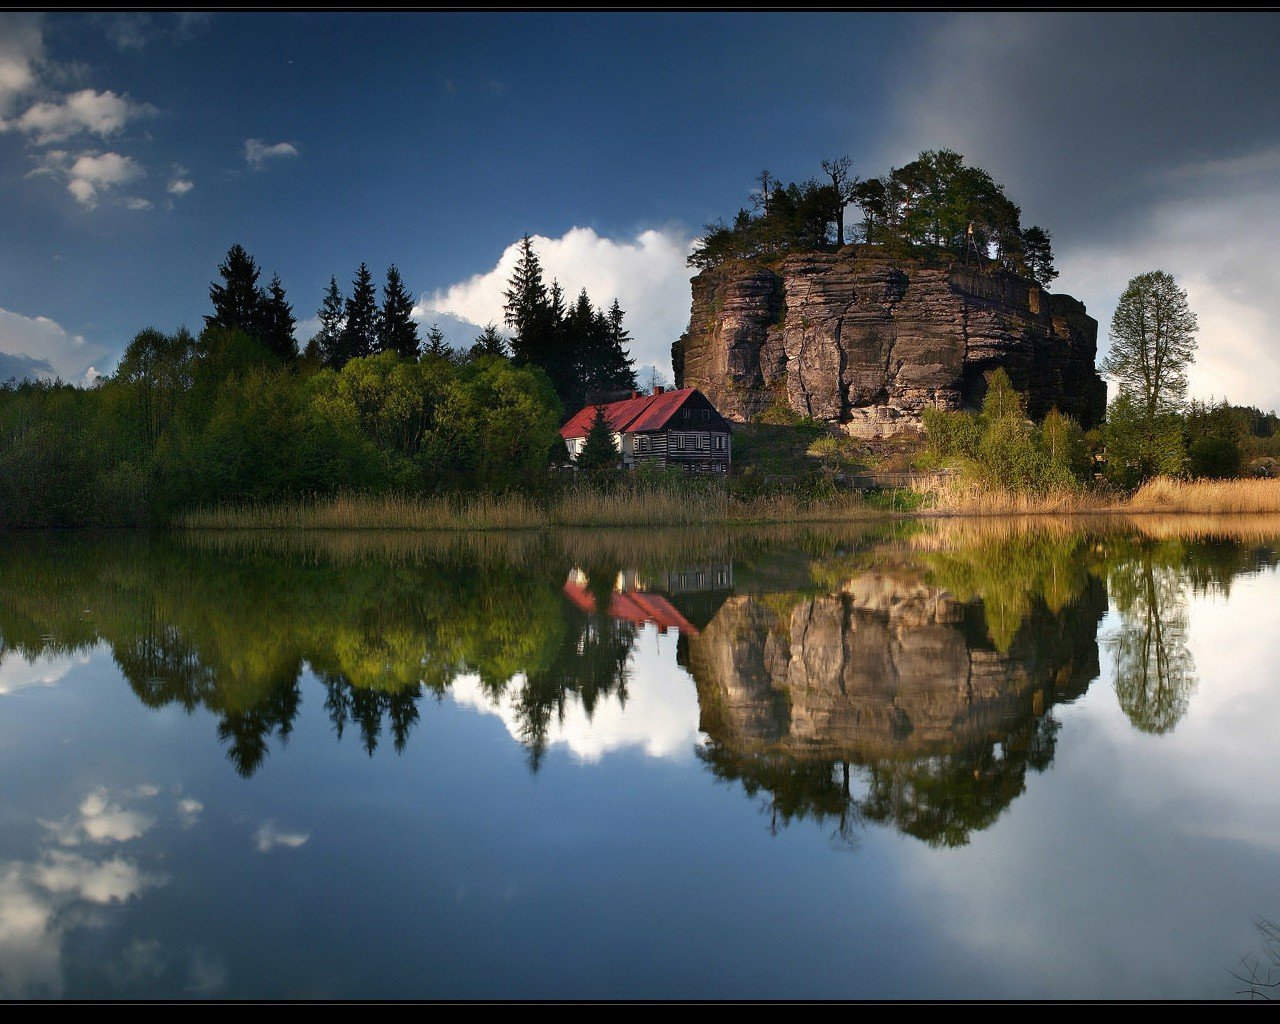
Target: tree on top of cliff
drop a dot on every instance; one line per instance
(936, 202)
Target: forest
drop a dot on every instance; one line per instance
(239, 413)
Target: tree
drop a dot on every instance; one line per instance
(360, 320)
(1138, 446)
(489, 343)
(1213, 435)
(1038, 254)
(238, 301)
(599, 453)
(527, 311)
(278, 322)
(327, 343)
(396, 330)
(1153, 342)
(844, 187)
(435, 344)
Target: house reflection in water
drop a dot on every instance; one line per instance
(685, 601)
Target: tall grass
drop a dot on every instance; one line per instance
(1206, 497)
(577, 506)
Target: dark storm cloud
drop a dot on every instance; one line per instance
(1140, 141)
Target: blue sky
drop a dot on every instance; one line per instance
(436, 140)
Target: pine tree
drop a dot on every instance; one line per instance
(360, 327)
(489, 343)
(327, 342)
(238, 302)
(527, 310)
(619, 367)
(396, 330)
(435, 343)
(1038, 255)
(599, 453)
(278, 322)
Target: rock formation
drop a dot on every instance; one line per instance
(887, 667)
(868, 342)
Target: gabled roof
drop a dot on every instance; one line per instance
(635, 606)
(647, 412)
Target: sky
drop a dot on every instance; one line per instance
(135, 148)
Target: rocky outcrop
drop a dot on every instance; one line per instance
(869, 342)
(887, 667)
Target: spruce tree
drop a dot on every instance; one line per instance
(489, 343)
(327, 342)
(435, 343)
(396, 330)
(238, 301)
(1038, 255)
(599, 453)
(360, 328)
(527, 310)
(619, 367)
(278, 322)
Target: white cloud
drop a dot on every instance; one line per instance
(18, 672)
(90, 175)
(660, 716)
(21, 51)
(268, 837)
(189, 811)
(66, 354)
(111, 881)
(258, 153)
(1224, 252)
(647, 275)
(87, 111)
(180, 186)
(100, 820)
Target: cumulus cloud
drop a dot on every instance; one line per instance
(18, 672)
(100, 820)
(21, 51)
(45, 342)
(180, 186)
(268, 837)
(1113, 132)
(258, 154)
(646, 274)
(660, 716)
(90, 175)
(84, 112)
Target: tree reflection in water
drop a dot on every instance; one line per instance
(908, 681)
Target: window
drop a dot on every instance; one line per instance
(703, 440)
(706, 415)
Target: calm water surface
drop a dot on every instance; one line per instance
(952, 761)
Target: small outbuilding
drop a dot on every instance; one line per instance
(666, 428)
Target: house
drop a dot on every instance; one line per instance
(667, 428)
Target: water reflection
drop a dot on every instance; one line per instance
(905, 677)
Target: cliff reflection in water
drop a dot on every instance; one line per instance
(847, 679)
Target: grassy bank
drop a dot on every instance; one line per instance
(1162, 496)
(579, 506)
(669, 505)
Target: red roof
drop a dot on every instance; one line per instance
(647, 412)
(637, 606)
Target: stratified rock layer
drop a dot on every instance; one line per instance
(870, 342)
(888, 666)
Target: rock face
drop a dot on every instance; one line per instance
(869, 342)
(887, 667)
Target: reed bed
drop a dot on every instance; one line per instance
(576, 507)
(1207, 497)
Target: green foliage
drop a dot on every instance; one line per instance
(1214, 441)
(599, 453)
(936, 202)
(1153, 342)
(1001, 448)
(582, 349)
(189, 422)
(1139, 447)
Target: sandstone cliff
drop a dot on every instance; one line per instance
(888, 667)
(869, 342)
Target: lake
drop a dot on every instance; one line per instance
(956, 759)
